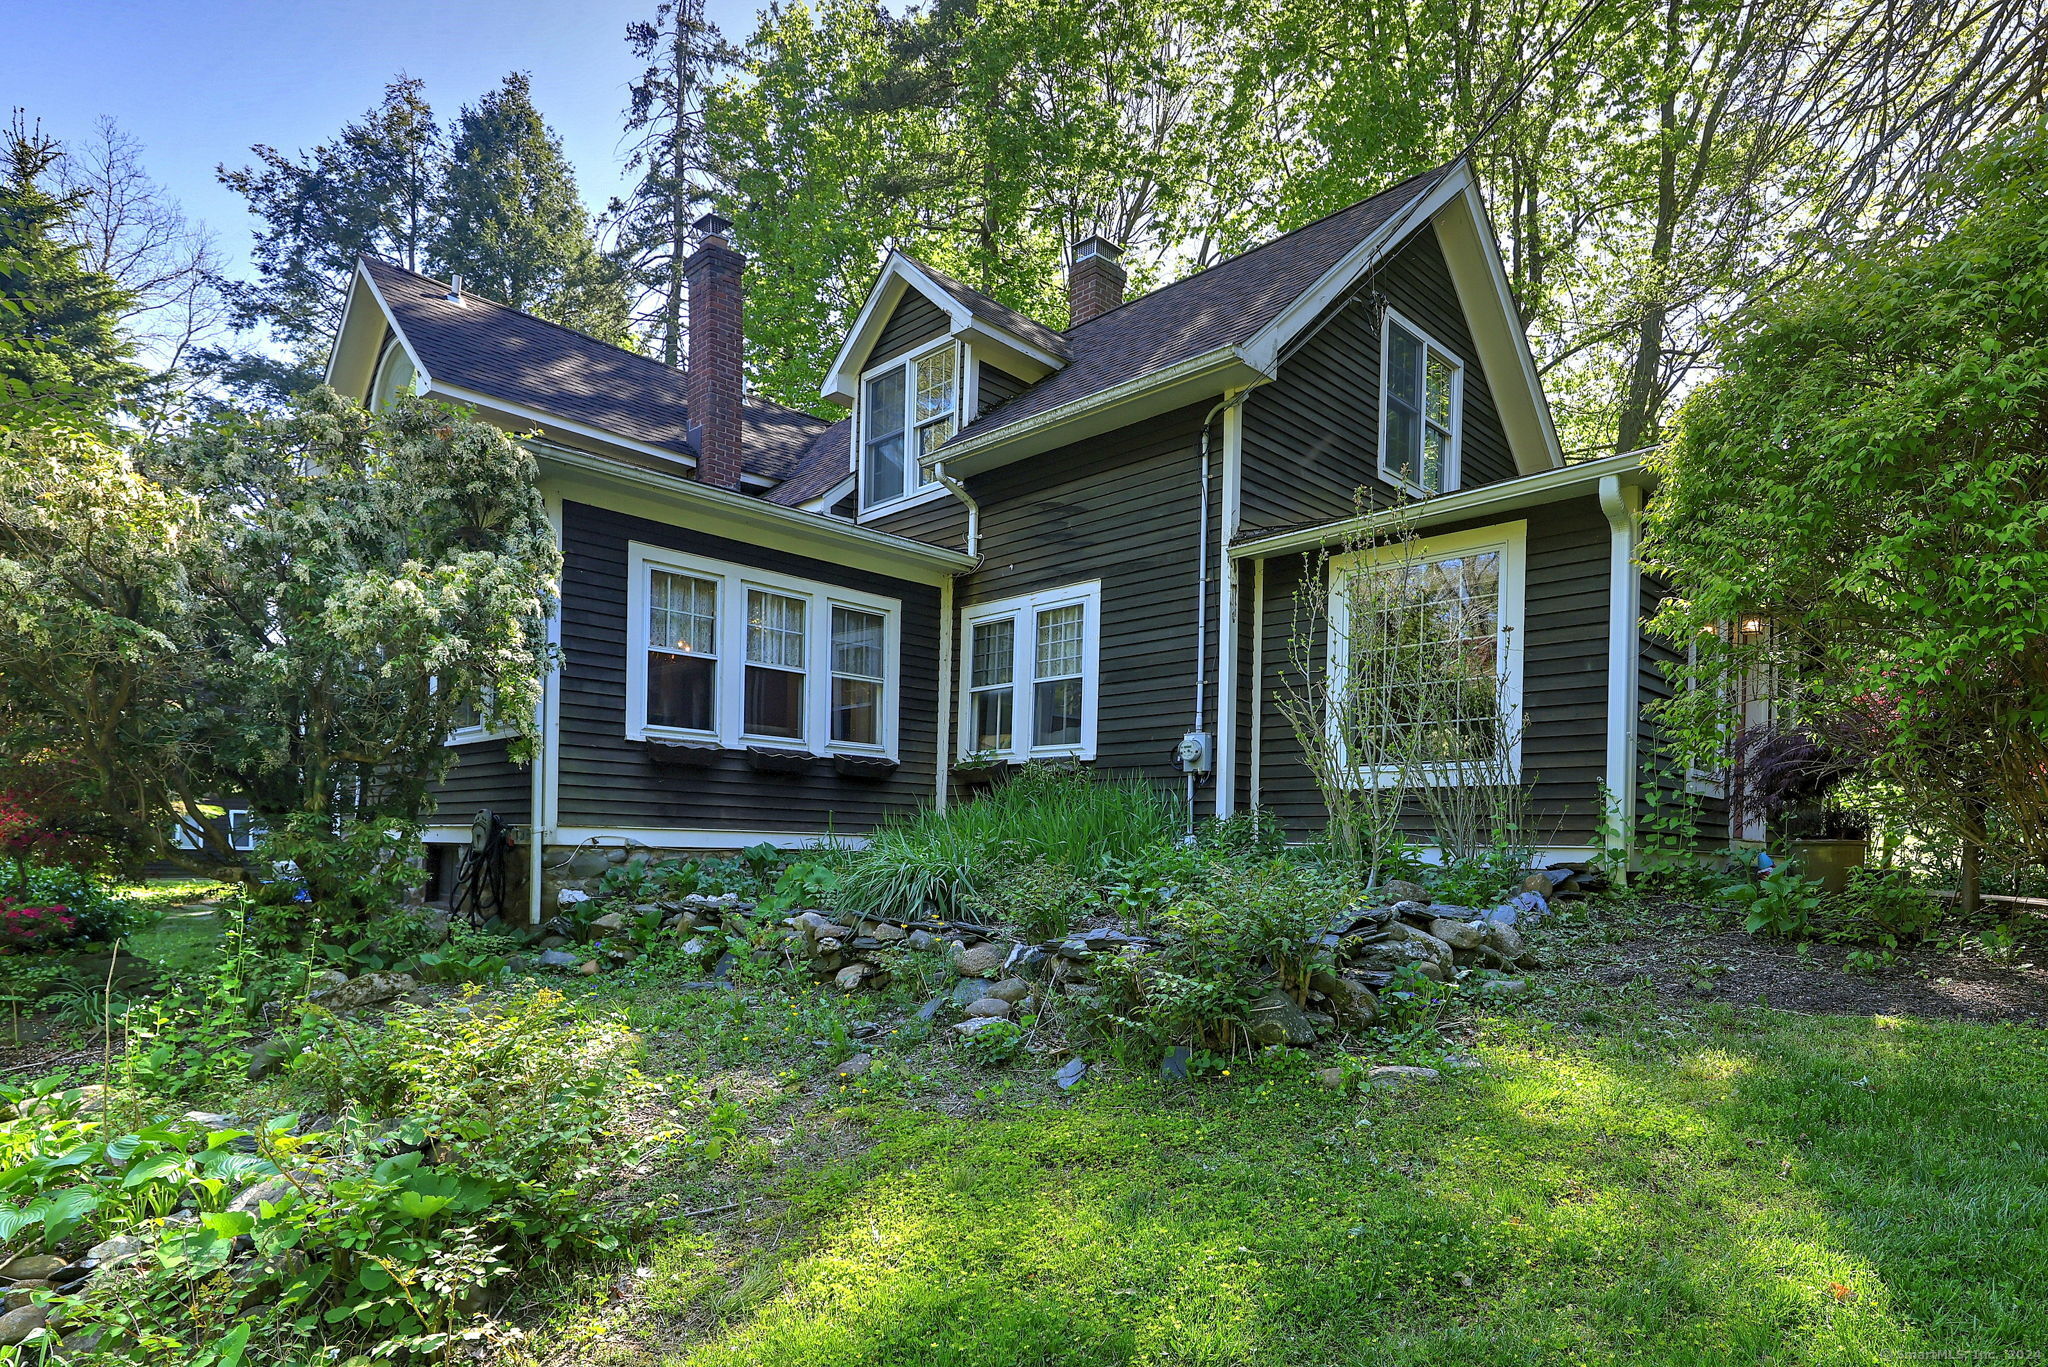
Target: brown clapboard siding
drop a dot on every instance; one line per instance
(608, 781)
(1564, 675)
(1122, 509)
(1311, 436)
(941, 521)
(996, 386)
(483, 776)
(915, 321)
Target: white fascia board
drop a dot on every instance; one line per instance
(1201, 377)
(1551, 486)
(1027, 361)
(682, 502)
(423, 380)
(827, 501)
(897, 278)
(1263, 348)
(541, 418)
(1480, 276)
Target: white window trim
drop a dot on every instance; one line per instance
(1023, 721)
(1454, 460)
(1511, 539)
(470, 735)
(919, 487)
(733, 581)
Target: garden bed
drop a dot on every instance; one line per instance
(1928, 982)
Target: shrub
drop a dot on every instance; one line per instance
(1243, 932)
(352, 877)
(1781, 906)
(940, 860)
(1891, 906)
(1040, 898)
(995, 1044)
(96, 912)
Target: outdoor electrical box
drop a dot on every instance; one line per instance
(1196, 753)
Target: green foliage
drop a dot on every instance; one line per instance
(994, 1045)
(805, 883)
(939, 861)
(60, 333)
(512, 224)
(1868, 478)
(1478, 882)
(1244, 931)
(1888, 906)
(1041, 899)
(1781, 906)
(99, 913)
(358, 875)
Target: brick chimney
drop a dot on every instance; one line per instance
(714, 376)
(1095, 281)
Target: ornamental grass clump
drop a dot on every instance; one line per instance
(940, 860)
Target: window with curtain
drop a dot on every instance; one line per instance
(775, 666)
(682, 652)
(858, 656)
(1029, 680)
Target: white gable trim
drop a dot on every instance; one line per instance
(899, 276)
(1473, 256)
(355, 347)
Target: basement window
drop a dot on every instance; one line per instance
(1420, 391)
(908, 409)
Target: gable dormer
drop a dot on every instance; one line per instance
(925, 357)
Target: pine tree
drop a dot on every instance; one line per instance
(60, 334)
(684, 53)
(512, 223)
(373, 189)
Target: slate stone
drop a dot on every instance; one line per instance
(970, 990)
(1174, 1067)
(1275, 1019)
(1392, 1075)
(1071, 1072)
(932, 1007)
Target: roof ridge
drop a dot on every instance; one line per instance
(579, 335)
(1261, 246)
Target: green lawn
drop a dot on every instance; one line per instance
(1748, 1187)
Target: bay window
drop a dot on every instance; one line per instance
(1426, 657)
(727, 655)
(907, 410)
(1030, 681)
(1419, 402)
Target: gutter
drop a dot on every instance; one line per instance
(1550, 486)
(767, 514)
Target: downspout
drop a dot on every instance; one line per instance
(947, 690)
(541, 816)
(1622, 503)
(1231, 399)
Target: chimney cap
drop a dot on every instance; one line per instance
(1097, 245)
(713, 225)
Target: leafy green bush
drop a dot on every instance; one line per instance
(96, 912)
(1782, 905)
(1040, 898)
(1892, 907)
(995, 1044)
(938, 861)
(352, 877)
(1244, 932)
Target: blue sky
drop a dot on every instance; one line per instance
(198, 81)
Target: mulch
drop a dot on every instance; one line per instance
(1932, 983)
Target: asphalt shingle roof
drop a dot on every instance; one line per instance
(485, 346)
(988, 310)
(1222, 306)
(822, 464)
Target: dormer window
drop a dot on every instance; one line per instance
(1419, 410)
(908, 408)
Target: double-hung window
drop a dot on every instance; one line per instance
(1426, 657)
(1420, 389)
(725, 654)
(1030, 681)
(908, 409)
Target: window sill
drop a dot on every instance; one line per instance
(873, 768)
(683, 753)
(475, 737)
(765, 759)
